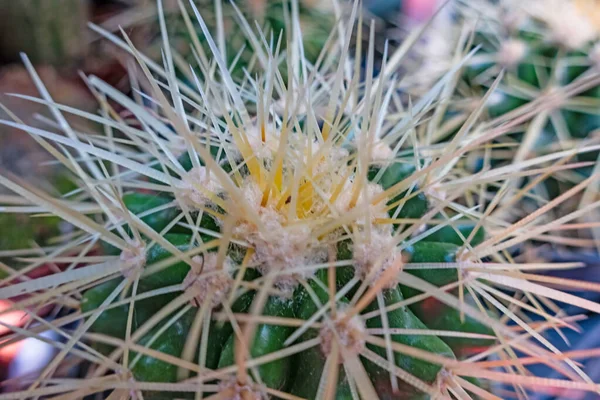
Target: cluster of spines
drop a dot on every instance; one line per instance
(154, 264)
(539, 60)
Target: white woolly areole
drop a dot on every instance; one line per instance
(567, 25)
(133, 259)
(331, 160)
(279, 246)
(239, 391)
(511, 52)
(375, 256)
(436, 191)
(252, 194)
(263, 149)
(435, 51)
(351, 334)
(205, 276)
(381, 153)
(198, 176)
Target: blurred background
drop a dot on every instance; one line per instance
(54, 35)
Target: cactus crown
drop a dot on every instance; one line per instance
(286, 238)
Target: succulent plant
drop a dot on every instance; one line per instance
(542, 51)
(533, 49)
(309, 250)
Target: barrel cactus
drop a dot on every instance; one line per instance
(536, 49)
(543, 48)
(290, 253)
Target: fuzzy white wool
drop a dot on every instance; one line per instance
(237, 391)
(279, 247)
(206, 276)
(199, 177)
(252, 194)
(376, 255)
(337, 155)
(435, 52)
(330, 163)
(332, 153)
(511, 52)
(351, 334)
(381, 152)
(263, 149)
(133, 259)
(435, 191)
(343, 203)
(512, 17)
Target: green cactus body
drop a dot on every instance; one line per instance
(416, 205)
(21, 237)
(311, 363)
(268, 339)
(173, 274)
(113, 321)
(434, 252)
(404, 318)
(137, 203)
(449, 234)
(300, 373)
(171, 342)
(309, 368)
(434, 313)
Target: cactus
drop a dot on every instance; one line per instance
(533, 44)
(309, 250)
(541, 51)
(530, 50)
